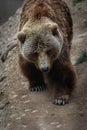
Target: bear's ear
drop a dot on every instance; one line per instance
(54, 28)
(21, 37)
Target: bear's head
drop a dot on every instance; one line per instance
(40, 43)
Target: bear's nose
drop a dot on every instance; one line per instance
(44, 69)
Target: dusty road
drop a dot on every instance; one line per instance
(21, 109)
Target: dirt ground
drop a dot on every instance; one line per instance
(21, 109)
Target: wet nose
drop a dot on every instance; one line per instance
(44, 69)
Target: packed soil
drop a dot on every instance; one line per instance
(21, 109)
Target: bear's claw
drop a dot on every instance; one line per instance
(62, 100)
(38, 88)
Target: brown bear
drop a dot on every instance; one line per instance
(45, 36)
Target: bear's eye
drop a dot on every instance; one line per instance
(49, 52)
(35, 54)
(22, 37)
(33, 57)
(54, 31)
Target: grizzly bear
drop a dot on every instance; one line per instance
(45, 36)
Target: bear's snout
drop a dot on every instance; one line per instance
(45, 69)
(43, 62)
(44, 66)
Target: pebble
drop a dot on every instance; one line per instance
(9, 124)
(12, 107)
(34, 111)
(24, 96)
(54, 123)
(27, 101)
(18, 118)
(27, 110)
(24, 126)
(58, 126)
(23, 115)
(14, 96)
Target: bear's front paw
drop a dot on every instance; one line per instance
(37, 88)
(61, 100)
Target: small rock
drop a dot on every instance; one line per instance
(27, 101)
(9, 124)
(18, 118)
(34, 111)
(58, 126)
(54, 123)
(12, 107)
(23, 115)
(14, 96)
(24, 96)
(27, 110)
(24, 126)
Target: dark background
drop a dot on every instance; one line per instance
(8, 8)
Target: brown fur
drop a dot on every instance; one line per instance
(56, 10)
(62, 77)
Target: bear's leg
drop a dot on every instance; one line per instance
(34, 75)
(63, 81)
